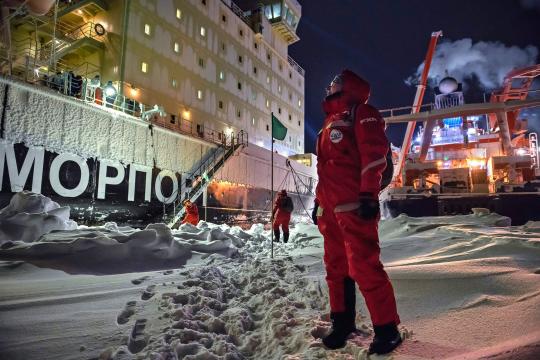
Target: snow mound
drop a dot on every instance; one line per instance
(29, 216)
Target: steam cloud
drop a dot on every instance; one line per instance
(488, 61)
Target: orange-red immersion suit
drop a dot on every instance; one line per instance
(192, 214)
(351, 151)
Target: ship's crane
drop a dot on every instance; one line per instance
(515, 87)
(417, 104)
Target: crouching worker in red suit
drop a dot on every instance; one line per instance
(192, 213)
(352, 155)
(283, 207)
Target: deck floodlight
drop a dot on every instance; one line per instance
(110, 91)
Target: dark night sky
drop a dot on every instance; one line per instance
(386, 40)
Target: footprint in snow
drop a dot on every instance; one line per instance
(126, 313)
(138, 339)
(139, 280)
(149, 292)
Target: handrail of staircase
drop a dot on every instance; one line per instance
(208, 169)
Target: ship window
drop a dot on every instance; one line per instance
(176, 47)
(178, 14)
(280, 66)
(201, 62)
(255, 45)
(147, 29)
(279, 88)
(299, 102)
(241, 32)
(255, 70)
(221, 75)
(173, 119)
(238, 113)
(290, 75)
(240, 59)
(279, 110)
(254, 96)
(267, 103)
(290, 117)
(253, 121)
(267, 127)
(268, 79)
(144, 67)
(199, 94)
(174, 83)
(276, 10)
(298, 122)
(202, 31)
(239, 85)
(220, 104)
(224, 18)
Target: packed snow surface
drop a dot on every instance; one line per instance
(466, 286)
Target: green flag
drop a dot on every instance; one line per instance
(279, 131)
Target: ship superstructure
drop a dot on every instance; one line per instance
(467, 156)
(166, 92)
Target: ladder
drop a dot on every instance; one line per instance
(206, 172)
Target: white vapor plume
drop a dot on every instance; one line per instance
(488, 61)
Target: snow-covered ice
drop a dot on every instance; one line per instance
(467, 287)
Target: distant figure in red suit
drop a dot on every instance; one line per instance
(283, 207)
(192, 213)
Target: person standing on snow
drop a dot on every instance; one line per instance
(283, 207)
(192, 213)
(352, 151)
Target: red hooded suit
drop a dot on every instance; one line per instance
(351, 155)
(192, 214)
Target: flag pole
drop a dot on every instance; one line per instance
(272, 186)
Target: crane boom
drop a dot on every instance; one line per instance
(420, 90)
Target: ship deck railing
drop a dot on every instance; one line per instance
(85, 90)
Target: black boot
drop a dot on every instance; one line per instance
(343, 323)
(276, 235)
(285, 237)
(387, 338)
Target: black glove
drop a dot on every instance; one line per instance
(369, 207)
(314, 213)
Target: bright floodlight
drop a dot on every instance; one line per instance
(110, 91)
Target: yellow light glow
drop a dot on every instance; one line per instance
(476, 163)
(228, 131)
(134, 91)
(79, 12)
(186, 114)
(439, 163)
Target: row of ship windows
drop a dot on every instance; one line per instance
(203, 32)
(145, 69)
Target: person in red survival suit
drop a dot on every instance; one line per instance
(283, 207)
(192, 213)
(351, 156)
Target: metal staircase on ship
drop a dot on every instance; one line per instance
(206, 172)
